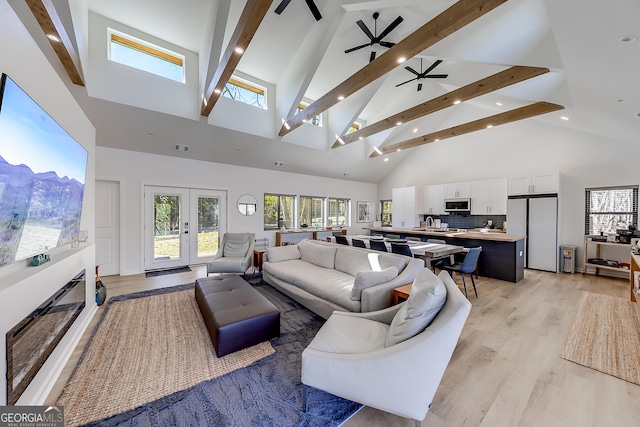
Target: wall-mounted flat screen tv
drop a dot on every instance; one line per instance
(42, 176)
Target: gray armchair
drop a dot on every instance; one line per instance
(235, 254)
(349, 358)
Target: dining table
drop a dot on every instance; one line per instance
(428, 252)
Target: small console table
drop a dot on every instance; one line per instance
(599, 245)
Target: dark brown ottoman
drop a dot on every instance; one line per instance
(236, 315)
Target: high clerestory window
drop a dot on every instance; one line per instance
(611, 208)
(316, 120)
(145, 56)
(245, 92)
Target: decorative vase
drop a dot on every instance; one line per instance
(101, 289)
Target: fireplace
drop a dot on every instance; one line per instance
(31, 341)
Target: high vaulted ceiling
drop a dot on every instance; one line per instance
(591, 76)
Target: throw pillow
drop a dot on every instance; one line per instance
(365, 279)
(317, 254)
(282, 253)
(428, 295)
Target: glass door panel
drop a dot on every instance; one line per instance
(208, 223)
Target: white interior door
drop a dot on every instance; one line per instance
(108, 227)
(182, 226)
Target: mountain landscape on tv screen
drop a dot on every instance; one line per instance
(38, 211)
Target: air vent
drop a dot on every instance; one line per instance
(181, 147)
(278, 163)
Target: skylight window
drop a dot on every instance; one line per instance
(245, 92)
(136, 53)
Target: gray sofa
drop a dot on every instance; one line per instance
(325, 276)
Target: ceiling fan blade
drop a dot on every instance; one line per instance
(357, 47)
(419, 87)
(412, 70)
(283, 4)
(386, 44)
(434, 65)
(436, 76)
(372, 56)
(390, 28)
(406, 82)
(364, 28)
(314, 9)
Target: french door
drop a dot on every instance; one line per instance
(182, 225)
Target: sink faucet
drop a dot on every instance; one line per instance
(429, 222)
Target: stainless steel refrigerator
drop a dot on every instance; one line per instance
(536, 217)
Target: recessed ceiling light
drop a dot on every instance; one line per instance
(437, 139)
(456, 102)
(239, 50)
(386, 159)
(499, 104)
(218, 91)
(304, 120)
(340, 98)
(415, 130)
(564, 117)
(401, 59)
(360, 137)
(489, 126)
(399, 149)
(398, 123)
(628, 39)
(52, 37)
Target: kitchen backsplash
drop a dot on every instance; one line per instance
(469, 221)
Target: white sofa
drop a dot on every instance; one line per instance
(325, 276)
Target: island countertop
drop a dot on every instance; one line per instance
(479, 235)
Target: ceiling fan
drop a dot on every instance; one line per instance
(377, 38)
(310, 3)
(424, 74)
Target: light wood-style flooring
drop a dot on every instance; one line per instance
(506, 370)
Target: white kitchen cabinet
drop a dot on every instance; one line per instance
(542, 183)
(457, 190)
(433, 200)
(489, 197)
(406, 203)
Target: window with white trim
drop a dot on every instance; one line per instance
(610, 208)
(338, 214)
(137, 53)
(312, 211)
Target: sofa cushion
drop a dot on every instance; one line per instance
(320, 255)
(365, 279)
(349, 335)
(236, 244)
(428, 295)
(283, 253)
(352, 260)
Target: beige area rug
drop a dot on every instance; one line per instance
(605, 336)
(143, 349)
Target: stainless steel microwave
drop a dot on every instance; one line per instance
(457, 205)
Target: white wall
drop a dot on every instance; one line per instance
(528, 146)
(134, 170)
(23, 288)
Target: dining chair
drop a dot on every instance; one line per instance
(392, 236)
(358, 243)
(437, 241)
(378, 245)
(467, 266)
(413, 239)
(401, 249)
(342, 240)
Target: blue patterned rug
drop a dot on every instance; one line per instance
(267, 393)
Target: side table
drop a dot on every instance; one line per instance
(401, 293)
(257, 259)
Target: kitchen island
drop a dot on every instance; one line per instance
(502, 254)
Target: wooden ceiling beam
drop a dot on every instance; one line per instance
(489, 84)
(514, 115)
(452, 19)
(252, 15)
(48, 19)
